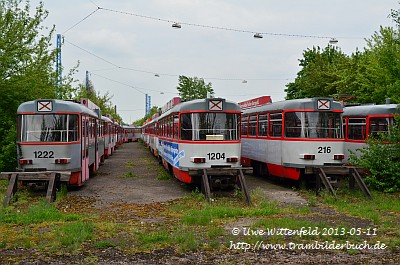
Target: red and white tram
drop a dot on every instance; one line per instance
(198, 134)
(289, 138)
(56, 135)
(360, 122)
(108, 136)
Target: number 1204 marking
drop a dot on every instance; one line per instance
(216, 156)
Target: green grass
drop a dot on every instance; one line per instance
(38, 213)
(191, 223)
(153, 239)
(357, 205)
(162, 174)
(129, 175)
(103, 244)
(224, 209)
(383, 211)
(130, 164)
(72, 235)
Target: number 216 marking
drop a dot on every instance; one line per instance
(324, 149)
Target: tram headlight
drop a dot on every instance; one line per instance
(62, 161)
(198, 159)
(308, 156)
(25, 161)
(233, 159)
(338, 157)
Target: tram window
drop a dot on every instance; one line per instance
(262, 124)
(73, 125)
(48, 128)
(170, 126)
(176, 126)
(275, 128)
(209, 126)
(356, 129)
(244, 124)
(321, 124)
(186, 127)
(252, 129)
(293, 124)
(379, 125)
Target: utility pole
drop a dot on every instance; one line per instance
(148, 104)
(58, 65)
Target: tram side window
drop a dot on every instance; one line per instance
(275, 128)
(356, 129)
(292, 124)
(186, 127)
(176, 126)
(252, 130)
(262, 124)
(244, 124)
(379, 125)
(73, 124)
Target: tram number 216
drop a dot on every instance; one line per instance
(324, 149)
(216, 156)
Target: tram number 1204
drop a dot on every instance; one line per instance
(216, 156)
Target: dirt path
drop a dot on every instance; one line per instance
(131, 176)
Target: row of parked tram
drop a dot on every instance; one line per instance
(57, 135)
(287, 139)
(213, 137)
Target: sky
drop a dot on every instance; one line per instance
(130, 48)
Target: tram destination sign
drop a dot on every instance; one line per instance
(44, 106)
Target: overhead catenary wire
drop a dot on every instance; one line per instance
(213, 27)
(157, 73)
(80, 21)
(259, 34)
(139, 89)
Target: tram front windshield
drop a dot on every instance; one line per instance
(209, 126)
(313, 125)
(48, 128)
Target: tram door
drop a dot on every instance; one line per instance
(85, 149)
(96, 145)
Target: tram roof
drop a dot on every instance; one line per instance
(129, 126)
(294, 104)
(365, 110)
(104, 118)
(56, 107)
(202, 105)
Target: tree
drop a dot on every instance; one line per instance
(102, 101)
(153, 110)
(26, 68)
(193, 88)
(319, 76)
